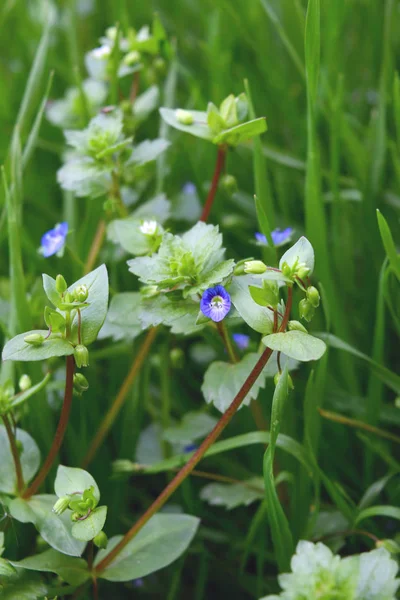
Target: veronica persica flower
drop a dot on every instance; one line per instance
(190, 448)
(215, 303)
(53, 241)
(241, 340)
(279, 236)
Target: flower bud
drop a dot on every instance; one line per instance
(306, 310)
(24, 382)
(296, 326)
(61, 505)
(255, 267)
(81, 354)
(131, 58)
(302, 272)
(184, 116)
(177, 358)
(286, 270)
(229, 184)
(313, 296)
(81, 384)
(61, 284)
(36, 339)
(100, 540)
(68, 298)
(76, 516)
(81, 293)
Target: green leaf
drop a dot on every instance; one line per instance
(232, 495)
(148, 151)
(258, 317)
(281, 535)
(89, 527)
(312, 47)
(85, 177)
(70, 480)
(199, 127)
(93, 315)
(18, 349)
(392, 380)
(161, 541)
(24, 396)
(49, 286)
(128, 233)
(180, 315)
(296, 344)
(54, 529)
(391, 512)
(301, 253)
(25, 586)
(72, 570)
(122, 320)
(29, 457)
(158, 208)
(390, 248)
(193, 426)
(377, 576)
(222, 380)
(241, 133)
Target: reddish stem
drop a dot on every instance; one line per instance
(219, 165)
(60, 432)
(198, 455)
(15, 453)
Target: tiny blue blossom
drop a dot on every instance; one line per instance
(279, 236)
(138, 583)
(241, 340)
(190, 448)
(189, 188)
(53, 241)
(215, 303)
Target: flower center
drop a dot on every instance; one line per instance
(217, 302)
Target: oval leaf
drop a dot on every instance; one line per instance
(301, 252)
(54, 529)
(161, 541)
(72, 570)
(29, 457)
(88, 528)
(199, 128)
(70, 480)
(18, 349)
(296, 344)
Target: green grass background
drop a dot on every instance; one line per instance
(332, 158)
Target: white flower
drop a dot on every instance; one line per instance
(101, 52)
(148, 227)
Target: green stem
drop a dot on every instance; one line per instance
(15, 453)
(219, 165)
(223, 332)
(60, 432)
(120, 398)
(198, 455)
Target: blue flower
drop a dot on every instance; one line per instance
(53, 241)
(138, 583)
(279, 236)
(215, 303)
(241, 340)
(189, 188)
(190, 448)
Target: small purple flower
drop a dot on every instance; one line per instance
(215, 303)
(138, 583)
(279, 236)
(190, 448)
(189, 188)
(54, 240)
(241, 340)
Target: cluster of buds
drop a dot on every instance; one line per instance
(308, 304)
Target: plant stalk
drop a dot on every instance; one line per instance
(198, 455)
(60, 432)
(219, 165)
(120, 398)
(15, 453)
(95, 247)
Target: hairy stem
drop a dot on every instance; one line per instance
(219, 165)
(95, 247)
(15, 453)
(60, 432)
(120, 398)
(198, 455)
